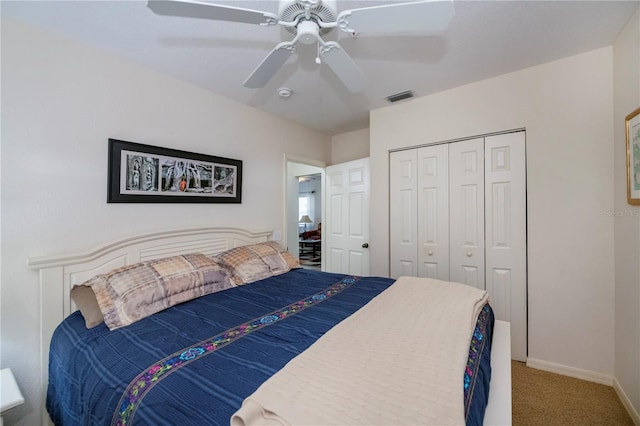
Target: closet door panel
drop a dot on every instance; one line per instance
(505, 181)
(403, 232)
(433, 212)
(466, 212)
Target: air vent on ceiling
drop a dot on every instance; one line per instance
(400, 96)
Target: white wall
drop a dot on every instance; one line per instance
(566, 108)
(350, 146)
(626, 66)
(61, 101)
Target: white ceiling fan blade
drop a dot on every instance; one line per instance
(426, 15)
(344, 67)
(269, 65)
(201, 10)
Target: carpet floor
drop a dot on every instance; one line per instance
(543, 398)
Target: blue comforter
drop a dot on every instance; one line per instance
(194, 363)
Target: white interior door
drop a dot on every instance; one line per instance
(505, 235)
(433, 212)
(466, 206)
(403, 232)
(346, 234)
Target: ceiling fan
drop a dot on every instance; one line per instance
(308, 20)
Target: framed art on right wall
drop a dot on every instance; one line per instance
(632, 130)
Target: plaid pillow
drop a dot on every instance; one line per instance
(247, 264)
(128, 294)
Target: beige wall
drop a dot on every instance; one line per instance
(567, 110)
(61, 101)
(350, 146)
(626, 67)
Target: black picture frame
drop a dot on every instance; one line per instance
(140, 173)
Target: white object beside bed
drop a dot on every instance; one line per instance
(58, 274)
(10, 395)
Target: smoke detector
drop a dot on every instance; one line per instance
(284, 92)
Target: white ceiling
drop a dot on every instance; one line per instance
(484, 39)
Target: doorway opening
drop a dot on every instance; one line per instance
(304, 212)
(310, 221)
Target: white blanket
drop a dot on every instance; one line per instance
(400, 359)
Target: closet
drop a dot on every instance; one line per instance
(458, 213)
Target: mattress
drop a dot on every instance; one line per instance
(195, 363)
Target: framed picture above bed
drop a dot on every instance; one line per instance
(632, 129)
(141, 173)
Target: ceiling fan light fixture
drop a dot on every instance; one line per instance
(400, 96)
(308, 32)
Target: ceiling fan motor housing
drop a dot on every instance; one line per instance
(325, 11)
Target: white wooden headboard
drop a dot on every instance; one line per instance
(58, 274)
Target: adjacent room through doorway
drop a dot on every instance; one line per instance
(310, 221)
(304, 211)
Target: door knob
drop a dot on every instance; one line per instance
(430, 253)
(365, 245)
(469, 254)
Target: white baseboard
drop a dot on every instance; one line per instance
(635, 416)
(591, 376)
(565, 370)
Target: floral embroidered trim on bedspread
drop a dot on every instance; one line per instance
(144, 382)
(478, 341)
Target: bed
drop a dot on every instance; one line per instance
(200, 361)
